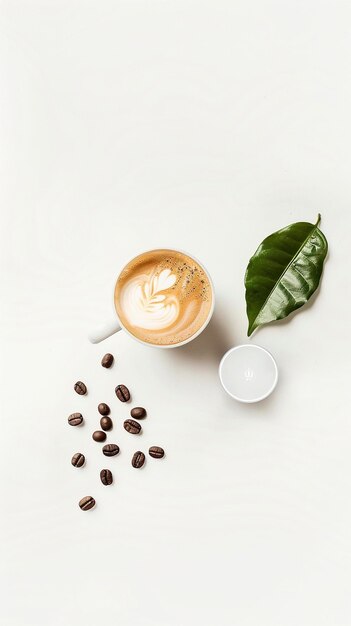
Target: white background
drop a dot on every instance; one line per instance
(203, 126)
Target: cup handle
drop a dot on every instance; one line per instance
(103, 331)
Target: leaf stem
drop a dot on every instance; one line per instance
(318, 219)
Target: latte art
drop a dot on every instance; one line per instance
(163, 297)
(146, 306)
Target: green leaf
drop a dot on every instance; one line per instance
(284, 272)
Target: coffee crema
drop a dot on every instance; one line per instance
(163, 297)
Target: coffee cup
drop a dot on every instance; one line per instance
(162, 298)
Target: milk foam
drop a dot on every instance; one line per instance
(143, 303)
(163, 297)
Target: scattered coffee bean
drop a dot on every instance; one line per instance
(132, 427)
(87, 503)
(75, 419)
(106, 477)
(122, 393)
(111, 449)
(99, 435)
(107, 360)
(78, 459)
(106, 423)
(156, 452)
(80, 388)
(138, 412)
(138, 459)
(103, 408)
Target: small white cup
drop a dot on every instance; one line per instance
(113, 324)
(248, 373)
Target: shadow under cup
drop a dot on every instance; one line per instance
(164, 298)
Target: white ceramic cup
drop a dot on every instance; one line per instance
(248, 373)
(113, 324)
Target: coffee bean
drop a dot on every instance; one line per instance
(78, 459)
(80, 388)
(107, 360)
(87, 503)
(103, 408)
(122, 393)
(138, 412)
(111, 449)
(106, 477)
(138, 459)
(106, 423)
(99, 435)
(75, 419)
(132, 427)
(156, 452)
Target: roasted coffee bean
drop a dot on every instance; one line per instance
(156, 452)
(80, 388)
(106, 477)
(111, 449)
(87, 503)
(138, 412)
(107, 360)
(106, 423)
(75, 419)
(78, 459)
(99, 435)
(138, 459)
(104, 409)
(122, 393)
(132, 427)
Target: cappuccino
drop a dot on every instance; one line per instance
(163, 297)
